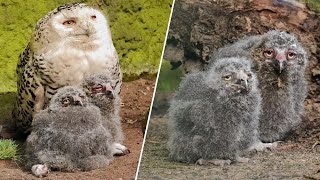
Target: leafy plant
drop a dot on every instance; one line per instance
(8, 149)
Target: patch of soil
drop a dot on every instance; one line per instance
(292, 159)
(136, 98)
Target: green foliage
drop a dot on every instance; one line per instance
(17, 19)
(138, 28)
(8, 149)
(169, 79)
(314, 5)
(6, 106)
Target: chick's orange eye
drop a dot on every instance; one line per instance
(268, 53)
(69, 22)
(291, 55)
(94, 17)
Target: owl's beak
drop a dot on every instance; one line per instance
(78, 101)
(280, 63)
(245, 84)
(87, 33)
(108, 90)
(243, 80)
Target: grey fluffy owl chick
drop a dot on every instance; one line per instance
(100, 90)
(69, 135)
(279, 61)
(214, 114)
(68, 43)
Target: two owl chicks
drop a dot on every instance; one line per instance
(80, 129)
(250, 96)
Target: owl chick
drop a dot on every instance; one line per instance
(68, 43)
(214, 114)
(69, 135)
(100, 90)
(279, 61)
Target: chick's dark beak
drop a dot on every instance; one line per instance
(78, 101)
(108, 91)
(280, 64)
(242, 80)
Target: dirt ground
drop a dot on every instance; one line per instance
(136, 99)
(295, 158)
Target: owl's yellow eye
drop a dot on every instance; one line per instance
(291, 55)
(268, 53)
(227, 77)
(69, 22)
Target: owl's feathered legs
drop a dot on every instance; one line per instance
(119, 149)
(183, 148)
(55, 160)
(260, 146)
(242, 159)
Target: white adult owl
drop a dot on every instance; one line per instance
(68, 43)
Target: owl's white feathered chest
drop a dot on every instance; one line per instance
(68, 65)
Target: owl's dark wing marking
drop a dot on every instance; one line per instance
(29, 91)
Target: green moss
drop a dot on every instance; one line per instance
(6, 106)
(314, 5)
(17, 19)
(138, 28)
(169, 79)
